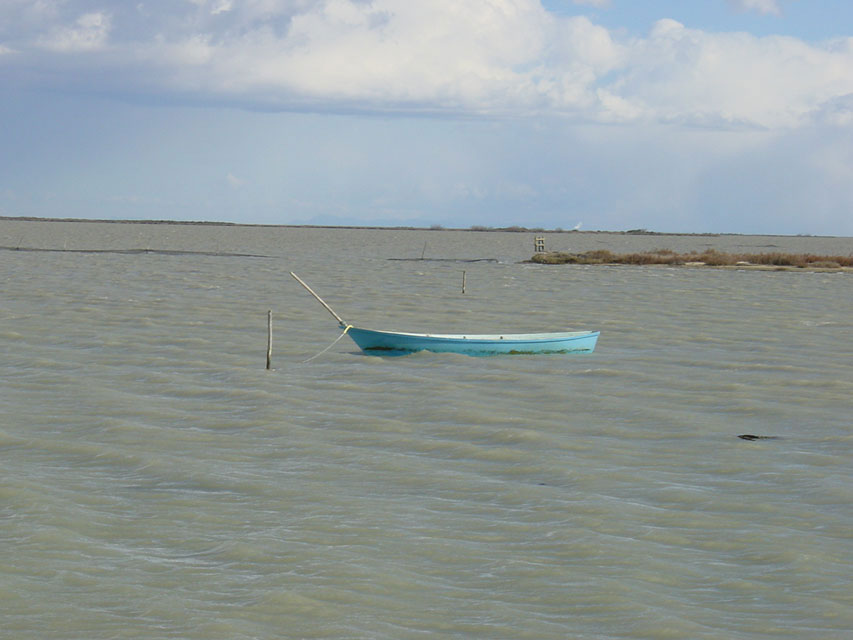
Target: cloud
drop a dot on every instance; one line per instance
(234, 182)
(222, 6)
(457, 56)
(503, 58)
(21, 15)
(734, 79)
(836, 112)
(593, 3)
(761, 6)
(88, 33)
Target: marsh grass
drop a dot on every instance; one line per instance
(710, 257)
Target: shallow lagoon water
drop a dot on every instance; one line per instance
(158, 482)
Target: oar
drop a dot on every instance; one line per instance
(320, 300)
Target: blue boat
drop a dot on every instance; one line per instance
(399, 343)
(393, 343)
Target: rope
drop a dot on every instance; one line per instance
(349, 326)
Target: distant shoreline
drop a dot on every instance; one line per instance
(474, 228)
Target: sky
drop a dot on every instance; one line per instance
(683, 116)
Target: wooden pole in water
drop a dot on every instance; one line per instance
(319, 299)
(269, 339)
(463, 282)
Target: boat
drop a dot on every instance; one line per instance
(375, 342)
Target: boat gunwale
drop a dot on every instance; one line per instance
(505, 338)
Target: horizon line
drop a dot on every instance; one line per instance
(435, 227)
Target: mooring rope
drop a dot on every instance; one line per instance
(349, 326)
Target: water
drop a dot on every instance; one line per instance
(157, 482)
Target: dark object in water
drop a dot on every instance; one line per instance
(749, 436)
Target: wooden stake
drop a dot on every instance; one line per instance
(463, 282)
(320, 300)
(269, 339)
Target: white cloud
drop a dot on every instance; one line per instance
(214, 7)
(761, 6)
(88, 33)
(28, 12)
(836, 112)
(462, 54)
(593, 3)
(500, 57)
(193, 51)
(234, 182)
(689, 75)
(222, 6)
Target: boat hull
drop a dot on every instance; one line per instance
(394, 343)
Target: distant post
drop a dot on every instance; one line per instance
(539, 244)
(463, 282)
(269, 339)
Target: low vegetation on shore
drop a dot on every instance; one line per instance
(710, 258)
